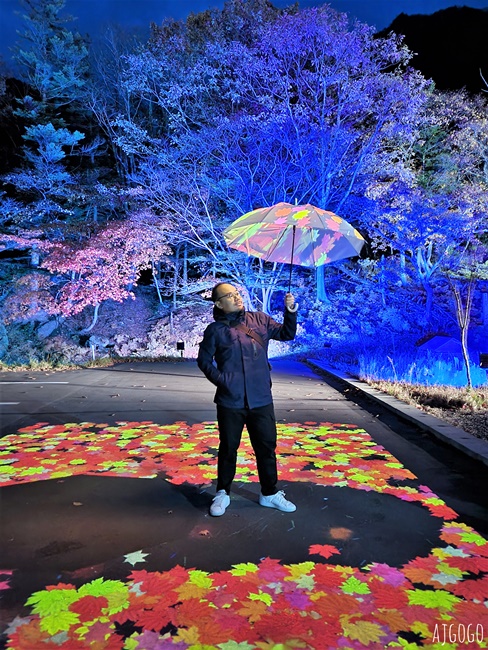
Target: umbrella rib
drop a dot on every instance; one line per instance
(270, 252)
(313, 247)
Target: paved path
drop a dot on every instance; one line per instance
(378, 505)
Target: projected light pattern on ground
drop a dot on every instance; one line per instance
(311, 604)
(325, 454)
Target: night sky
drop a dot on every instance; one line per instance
(93, 15)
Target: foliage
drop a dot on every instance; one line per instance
(55, 65)
(55, 59)
(138, 156)
(105, 266)
(260, 118)
(46, 180)
(459, 407)
(426, 369)
(29, 299)
(439, 208)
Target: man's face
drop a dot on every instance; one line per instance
(229, 299)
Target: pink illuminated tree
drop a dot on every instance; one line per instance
(104, 267)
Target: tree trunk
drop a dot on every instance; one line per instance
(268, 288)
(403, 272)
(176, 272)
(266, 293)
(382, 280)
(463, 314)
(4, 342)
(321, 291)
(185, 265)
(93, 323)
(156, 284)
(429, 294)
(35, 258)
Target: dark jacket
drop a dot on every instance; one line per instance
(241, 370)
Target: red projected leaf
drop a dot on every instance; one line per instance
(89, 607)
(325, 550)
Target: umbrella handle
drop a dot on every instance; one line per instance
(291, 263)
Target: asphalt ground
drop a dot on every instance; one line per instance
(75, 527)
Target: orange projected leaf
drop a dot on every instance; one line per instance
(28, 636)
(190, 591)
(340, 533)
(332, 606)
(211, 634)
(364, 632)
(393, 618)
(192, 610)
(253, 610)
(282, 212)
(418, 575)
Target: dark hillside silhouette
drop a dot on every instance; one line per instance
(450, 46)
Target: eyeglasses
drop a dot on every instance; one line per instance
(229, 296)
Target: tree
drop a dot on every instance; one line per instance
(440, 204)
(55, 69)
(56, 61)
(305, 108)
(104, 267)
(47, 179)
(471, 267)
(52, 191)
(109, 98)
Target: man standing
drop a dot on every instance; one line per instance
(234, 357)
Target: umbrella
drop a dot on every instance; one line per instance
(294, 234)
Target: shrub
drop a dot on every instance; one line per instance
(416, 367)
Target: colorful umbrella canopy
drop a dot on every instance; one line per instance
(294, 234)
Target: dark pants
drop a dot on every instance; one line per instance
(261, 426)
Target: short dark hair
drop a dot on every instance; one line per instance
(215, 297)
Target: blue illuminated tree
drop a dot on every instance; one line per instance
(54, 62)
(469, 268)
(439, 207)
(53, 58)
(304, 108)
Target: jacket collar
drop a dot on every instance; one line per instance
(231, 319)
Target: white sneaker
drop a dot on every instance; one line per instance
(277, 501)
(219, 503)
